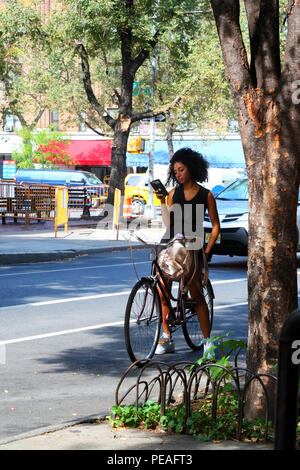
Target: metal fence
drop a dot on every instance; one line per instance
(26, 202)
(37, 201)
(87, 199)
(187, 382)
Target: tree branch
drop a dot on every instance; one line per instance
(37, 117)
(88, 86)
(20, 117)
(155, 112)
(292, 57)
(23, 121)
(263, 23)
(95, 130)
(144, 53)
(226, 13)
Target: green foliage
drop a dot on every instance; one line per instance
(18, 20)
(42, 148)
(31, 82)
(200, 422)
(225, 347)
(187, 51)
(132, 416)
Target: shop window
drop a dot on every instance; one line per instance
(54, 120)
(11, 123)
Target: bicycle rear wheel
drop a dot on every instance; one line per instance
(191, 326)
(142, 320)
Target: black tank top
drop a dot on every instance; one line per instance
(185, 216)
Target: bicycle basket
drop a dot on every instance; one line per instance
(177, 261)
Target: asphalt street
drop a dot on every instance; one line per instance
(62, 330)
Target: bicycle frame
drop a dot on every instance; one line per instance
(143, 317)
(165, 290)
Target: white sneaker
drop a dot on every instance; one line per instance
(165, 345)
(206, 347)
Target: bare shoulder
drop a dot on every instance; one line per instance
(210, 197)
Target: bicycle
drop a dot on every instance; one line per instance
(143, 315)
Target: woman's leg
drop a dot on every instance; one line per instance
(201, 309)
(164, 308)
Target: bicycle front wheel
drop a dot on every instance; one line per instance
(142, 320)
(191, 326)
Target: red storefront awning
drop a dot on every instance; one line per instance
(79, 152)
(90, 152)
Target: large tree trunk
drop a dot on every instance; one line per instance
(269, 123)
(272, 264)
(118, 157)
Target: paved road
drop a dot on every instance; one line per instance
(62, 328)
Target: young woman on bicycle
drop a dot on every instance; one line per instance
(187, 169)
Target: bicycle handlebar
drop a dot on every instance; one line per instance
(151, 245)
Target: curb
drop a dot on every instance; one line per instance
(18, 258)
(53, 428)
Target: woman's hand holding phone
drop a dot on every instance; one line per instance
(159, 189)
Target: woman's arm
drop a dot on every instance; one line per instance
(166, 204)
(214, 218)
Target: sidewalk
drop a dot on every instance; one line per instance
(101, 436)
(37, 243)
(19, 244)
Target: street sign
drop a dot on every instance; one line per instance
(141, 87)
(9, 169)
(144, 128)
(159, 118)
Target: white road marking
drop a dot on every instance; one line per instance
(98, 326)
(87, 328)
(69, 299)
(91, 297)
(220, 307)
(78, 268)
(59, 333)
(226, 281)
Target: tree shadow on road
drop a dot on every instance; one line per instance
(107, 355)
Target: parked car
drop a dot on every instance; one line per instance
(232, 204)
(80, 183)
(57, 177)
(136, 187)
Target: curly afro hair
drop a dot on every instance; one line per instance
(195, 162)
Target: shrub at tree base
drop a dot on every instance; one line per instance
(208, 416)
(199, 424)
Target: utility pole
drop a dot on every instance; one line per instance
(150, 209)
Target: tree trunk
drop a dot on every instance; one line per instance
(118, 157)
(272, 241)
(270, 128)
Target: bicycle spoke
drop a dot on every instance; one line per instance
(142, 321)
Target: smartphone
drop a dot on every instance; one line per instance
(159, 187)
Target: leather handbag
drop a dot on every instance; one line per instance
(179, 262)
